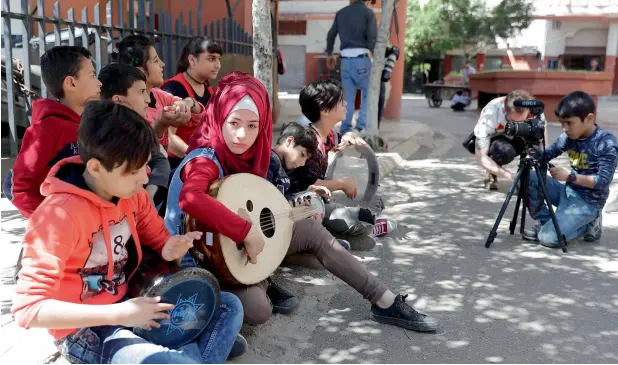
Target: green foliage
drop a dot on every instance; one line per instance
(425, 31)
(441, 25)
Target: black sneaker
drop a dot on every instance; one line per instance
(282, 300)
(239, 348)
(403, 315)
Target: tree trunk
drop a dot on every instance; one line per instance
(262, 44)
(377, 67)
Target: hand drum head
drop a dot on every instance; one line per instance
(360, 163)
(316, 202)
(195, 295)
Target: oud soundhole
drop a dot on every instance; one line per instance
(267, 222)
(249, 205)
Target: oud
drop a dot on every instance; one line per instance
(260, 202)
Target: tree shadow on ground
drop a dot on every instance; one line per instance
(515, 302)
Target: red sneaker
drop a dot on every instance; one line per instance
(383, 227)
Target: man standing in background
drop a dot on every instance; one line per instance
(466, 71)
(357, 28)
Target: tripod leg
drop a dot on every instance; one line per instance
(523, 192)
(561, 238)
(494, 230)
(522, 184)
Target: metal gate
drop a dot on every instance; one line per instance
(118, 19)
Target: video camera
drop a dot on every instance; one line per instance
(532, 130)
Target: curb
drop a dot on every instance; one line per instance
(390, 161)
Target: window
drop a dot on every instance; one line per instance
(292, 27)
(493, 63)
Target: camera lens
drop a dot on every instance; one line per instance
(392, 53)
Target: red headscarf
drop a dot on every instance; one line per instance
(230, 90)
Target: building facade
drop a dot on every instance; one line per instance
(576, 31)
(303, 26)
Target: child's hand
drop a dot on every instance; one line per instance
(349, 187)
(177, 246)
(181, 106)
(559, 173)
(321, 191)
(351, 138)
(142, 312)
(254, 243)
(175, 115)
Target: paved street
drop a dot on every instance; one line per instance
(513, 303)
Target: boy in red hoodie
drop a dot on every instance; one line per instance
(71, 80)
(74, 276)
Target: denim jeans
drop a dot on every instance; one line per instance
(355, 75)
(119, 345)
(573, 214)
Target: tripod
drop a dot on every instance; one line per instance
(529, 159)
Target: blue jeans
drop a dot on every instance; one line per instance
(355, 75)
(574, 215)
(119, 345)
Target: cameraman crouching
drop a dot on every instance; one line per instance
(593, 154)
(494, 149)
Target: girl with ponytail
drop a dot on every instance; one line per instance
(199, 62)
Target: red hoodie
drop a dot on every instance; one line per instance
(51, 137)
(78, 246)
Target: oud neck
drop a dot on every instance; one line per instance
(300, 213)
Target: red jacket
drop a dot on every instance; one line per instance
(186, 131)
(51, 137)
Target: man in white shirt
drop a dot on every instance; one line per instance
(494, 149)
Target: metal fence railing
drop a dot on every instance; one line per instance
(21, 49)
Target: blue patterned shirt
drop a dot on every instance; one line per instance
(596, 156)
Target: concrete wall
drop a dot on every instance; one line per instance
(568, 7)
(311, 6)
(533, 36)
(574, 33)
(314, 41)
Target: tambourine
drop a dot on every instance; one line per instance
(360, 163)
(193, 291)
(311, 199)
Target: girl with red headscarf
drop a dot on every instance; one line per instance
(236, 137)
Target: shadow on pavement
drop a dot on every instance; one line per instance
(514, 303)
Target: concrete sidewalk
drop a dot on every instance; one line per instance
(512, 303)
(35, 345)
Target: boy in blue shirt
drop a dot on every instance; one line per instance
(593, 154)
